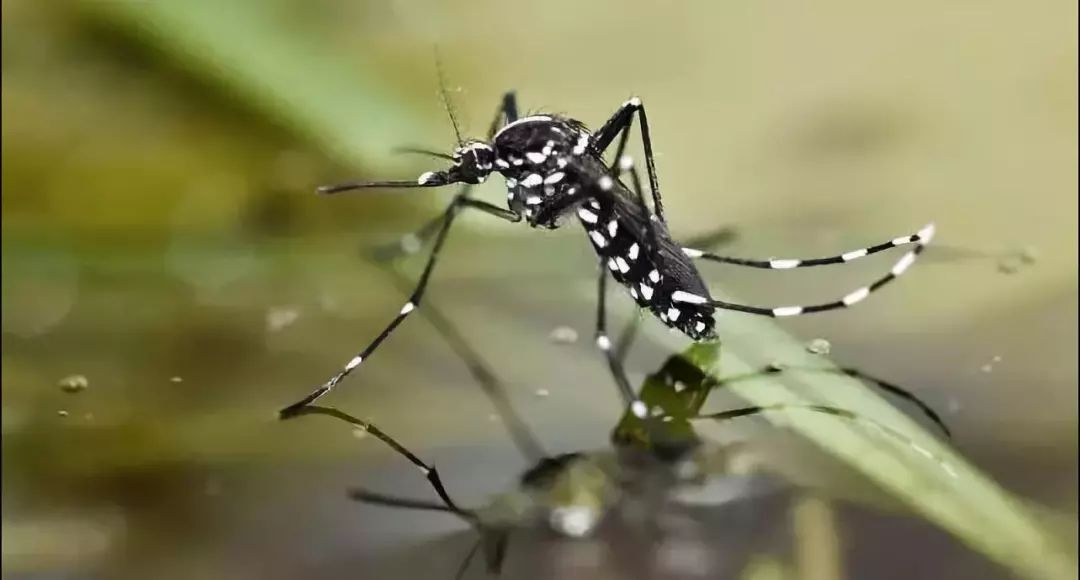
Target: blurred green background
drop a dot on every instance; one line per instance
(161, 239)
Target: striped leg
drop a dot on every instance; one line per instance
(851, 298)
(459, 202)
(923, 236)
(621, 122)
(614, 361)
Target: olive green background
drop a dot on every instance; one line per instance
(160, 237)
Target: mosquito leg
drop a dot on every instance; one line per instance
(923, 236)
(429, 471)
(621, 122)
(849, 299)
(448, 218)
(523, 437)
(835, 412)
(851, 372)
(604, 343)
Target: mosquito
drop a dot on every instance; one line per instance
(554, 169)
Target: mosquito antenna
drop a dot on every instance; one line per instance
(447, 103)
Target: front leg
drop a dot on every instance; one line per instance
(447, 219)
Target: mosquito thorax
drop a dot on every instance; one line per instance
(539, 156)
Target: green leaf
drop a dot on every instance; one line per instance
(927, 475)
(286, 76)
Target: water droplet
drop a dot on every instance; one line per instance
(1029, 255)
(542, 392)
(280, 317)
(987, 368)
(73, 383)
(176, 379)
(563, 335)
(1008, 265)
(359, 432)
(954, 406)
(62, 413)
(819, 346)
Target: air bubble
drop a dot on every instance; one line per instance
(819, 346)
(73, 383)
(563, 335)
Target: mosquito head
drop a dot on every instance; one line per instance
(473, 162)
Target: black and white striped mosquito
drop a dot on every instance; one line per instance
(554, 168)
